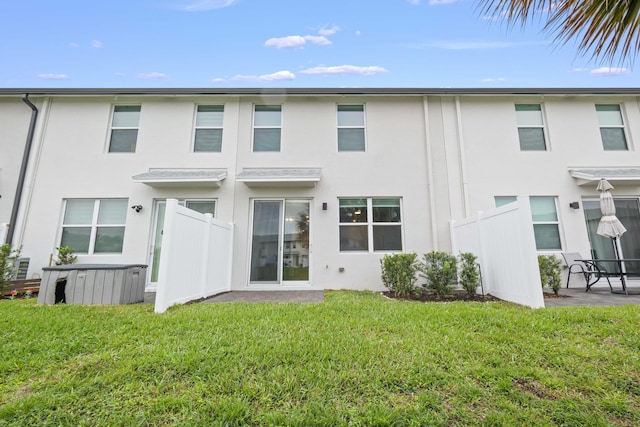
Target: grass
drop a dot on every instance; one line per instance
(356, 359)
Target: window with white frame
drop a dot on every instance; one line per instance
(94, 226)
(544, 215)
(530, 127)
(351, 128)
(202, 206)
(370, 224)
(267, 127)
(611, 127)
(124, 129)
(208, 129)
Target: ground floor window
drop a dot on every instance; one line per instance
(370, 224)
(94, 226)
(544, 215)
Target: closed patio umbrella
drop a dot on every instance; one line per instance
(609, 225)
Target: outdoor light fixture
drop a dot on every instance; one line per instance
(324, 206)
(136, 208)
(574, 205)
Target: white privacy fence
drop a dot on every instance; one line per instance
(195, 261)
(504, 242)
(4, 229)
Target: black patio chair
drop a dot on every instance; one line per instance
(589, 269)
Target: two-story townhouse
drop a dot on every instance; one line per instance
(319, 183)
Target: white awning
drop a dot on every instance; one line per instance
(629, 176)
(280, 177)
(163, 178)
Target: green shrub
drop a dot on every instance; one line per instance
(440, 269)
(469, 272)
(399, 273)
(8, 267)
(65, 255)
(550, 272)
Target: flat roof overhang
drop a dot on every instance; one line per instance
(284, 177)
(615, 175)
(172, 178)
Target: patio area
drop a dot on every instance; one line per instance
(599, 295)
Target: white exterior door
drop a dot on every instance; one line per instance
(280, 241)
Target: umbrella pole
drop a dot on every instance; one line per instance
(620, 258)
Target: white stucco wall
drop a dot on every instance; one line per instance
(444, 156)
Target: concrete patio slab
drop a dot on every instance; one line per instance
(597, 296)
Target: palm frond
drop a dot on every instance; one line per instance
(607, 30)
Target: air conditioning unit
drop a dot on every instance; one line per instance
(22, 266)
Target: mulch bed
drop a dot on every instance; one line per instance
(455, 296)
(551, 295)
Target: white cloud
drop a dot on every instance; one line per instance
(319, 40)
(204, 5)
(608, 71)
(358, 33)
(287, 42)
(53, 76)
(414, 2)
(493, 80)
(296, 42)
(328, 31)
(152, 76)
(74, 44)
(278, 75)
(345, 69)
(97, 44)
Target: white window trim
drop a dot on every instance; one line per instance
(363, 127)
(94, 226)
(254, 127)
(543, 117)
(112, 127)
(196, 127)
(370, 223)
(623, 126)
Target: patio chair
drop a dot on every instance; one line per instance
(590, 270)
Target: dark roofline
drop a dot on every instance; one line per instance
(317, 91)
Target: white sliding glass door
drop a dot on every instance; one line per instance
(280, 241)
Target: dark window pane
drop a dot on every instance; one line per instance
(387, 238)
(353, 238)
(547, 237)
(350, 139)
(353, 210)
(613, 139)
(386, 210)
(266, 140)
(76, 238)
(109, 239)
(208, 140)
(531, 139)
(123, 140)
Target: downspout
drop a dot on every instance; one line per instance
(23, 169)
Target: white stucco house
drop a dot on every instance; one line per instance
(318, 183)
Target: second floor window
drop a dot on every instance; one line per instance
(611, 127)
(351, 128)
(267, 127)
(530, 127)
(208, 129)
(124, 129)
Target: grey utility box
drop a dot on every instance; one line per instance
(93, 284)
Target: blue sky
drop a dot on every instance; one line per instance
(283, 43)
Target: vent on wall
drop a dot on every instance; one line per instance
(22, 265)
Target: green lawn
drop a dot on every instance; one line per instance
(356, 359)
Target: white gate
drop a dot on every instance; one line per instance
(504, 242)
(196, 257)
